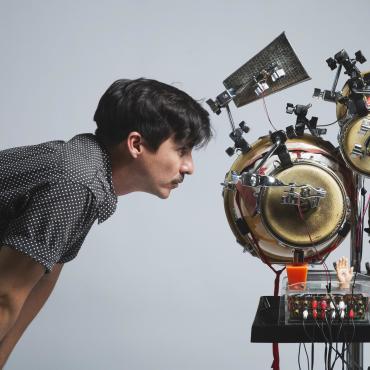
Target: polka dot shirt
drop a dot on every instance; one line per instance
(50, 196)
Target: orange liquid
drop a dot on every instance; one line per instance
(297, 275)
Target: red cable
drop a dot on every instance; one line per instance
(266, 111)
(327, 273)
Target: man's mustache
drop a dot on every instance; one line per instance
(179, 180)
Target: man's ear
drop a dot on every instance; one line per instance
(135, 144)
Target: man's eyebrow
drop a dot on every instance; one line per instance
(182, 145)
(186, 147)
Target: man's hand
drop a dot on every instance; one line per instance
(344, 272)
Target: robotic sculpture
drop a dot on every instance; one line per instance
(292, 194)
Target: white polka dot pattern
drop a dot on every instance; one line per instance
(50, 196)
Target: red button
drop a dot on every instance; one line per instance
(314, 313)
(351, 314)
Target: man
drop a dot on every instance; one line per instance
(52, 193)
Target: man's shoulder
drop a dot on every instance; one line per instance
(86, 162)
(82, 159)
(26, 166)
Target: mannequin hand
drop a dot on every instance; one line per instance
(344, 272)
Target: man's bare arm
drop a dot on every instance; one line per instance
(33, 304)
(18, 275)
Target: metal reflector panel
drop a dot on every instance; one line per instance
(247, 81)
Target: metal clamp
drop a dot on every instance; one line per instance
(252, 180)
(270, 74)
(303, 194)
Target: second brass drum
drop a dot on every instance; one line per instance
(354, 136)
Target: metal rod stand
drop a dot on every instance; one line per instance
(355, 352)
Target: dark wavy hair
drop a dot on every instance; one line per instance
(155, 110)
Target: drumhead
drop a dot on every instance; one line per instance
(304, 226)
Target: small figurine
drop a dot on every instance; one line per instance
(344, 272)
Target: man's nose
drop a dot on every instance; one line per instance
(187, 166)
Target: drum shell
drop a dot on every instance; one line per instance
(246, 221)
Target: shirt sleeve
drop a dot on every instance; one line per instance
(53, 219)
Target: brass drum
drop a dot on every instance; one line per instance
(354, 137)
(266, 227)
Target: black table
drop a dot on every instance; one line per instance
(269, 327)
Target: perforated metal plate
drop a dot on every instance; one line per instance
(278, 51)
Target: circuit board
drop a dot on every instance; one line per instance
(327, 307)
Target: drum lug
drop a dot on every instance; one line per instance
(365, 127)
(357, 151)
(257, 194)
(349, 209)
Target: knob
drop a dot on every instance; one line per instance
(230, 151)
(360, 57)
(351, 314)
(244, 127)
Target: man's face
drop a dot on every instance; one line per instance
(165, 169)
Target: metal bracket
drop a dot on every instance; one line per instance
(252, 180)
(303, 194)
(272, 73)
(357, 151)
(365, 127)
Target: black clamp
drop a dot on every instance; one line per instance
(302, 121)
(237, 137)
(280, 137)
(342, 58)
(221, 101)
(357, 83)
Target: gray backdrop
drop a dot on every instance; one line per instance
(162, 285)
